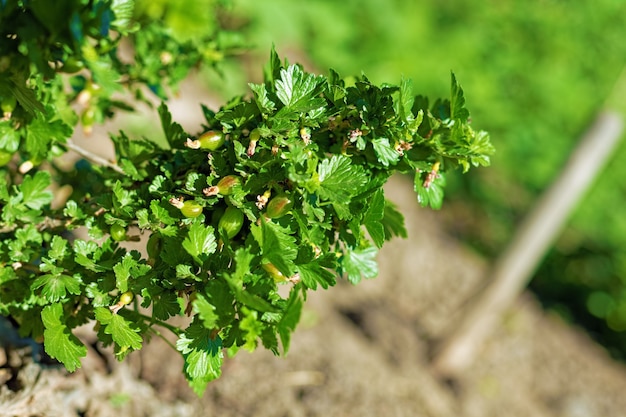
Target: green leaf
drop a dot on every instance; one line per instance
(73, 211)
(206, 311)
(165, 305)
(251, 327)
(123, 10)
(296, 89)
(42, 132)
(103, 72)
(405, 101)
(128, 267)
(123, 197)
(432, 195)
(290, 319)
(278, 247)
(161, 213)
(457, 101)
(339, 180)
(124, 333)
(373, 218)
(243, 259)
(238, 115)
(265, 105)
(87, 254)
(58, 248)
(24, 95)
(393, 222)
(59, 342)
(218, 292)
(275, 66)
(56, 286)
(174, 132)
(313, 273)
(200, 242)
(203, 356)
(386, 154)
(9, 136)
(360, 263)
(34, 193)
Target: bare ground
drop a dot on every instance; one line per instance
(359, 351)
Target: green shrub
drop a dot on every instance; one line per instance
(286, 190)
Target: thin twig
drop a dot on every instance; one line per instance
(97, 159)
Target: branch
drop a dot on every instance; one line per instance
(97, 159)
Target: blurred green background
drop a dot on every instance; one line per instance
(535, 73)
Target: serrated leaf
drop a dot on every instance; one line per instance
(457, 101)
(58, 248)
(206, 311)
(203, 356)
(278, 247)
(156, 185)
(174, 132)
(123, 10)
(373, 218)
(200, 242)
(386, 154)
(165, 305)
(242, 259)
(122, 197)
(84, 252)
(360, 263)
(123, 332)
(313, 273)
(9, 136)
(290, 319)
(273, 72)
(59, 342)
(54, 287)
(393, 222)
(339, 180)
(103, 72)
(263, 102)
(41, 133)
(161, 213)
(218, 292)
(24, 95)
(73, 211)
(433, 194)
(126, 268)
(34, 193)
(238, 115)
(296, 89)
(405, 101)
(251, 328)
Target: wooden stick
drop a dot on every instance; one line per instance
(514, 268)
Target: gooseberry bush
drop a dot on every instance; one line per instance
(279, 191)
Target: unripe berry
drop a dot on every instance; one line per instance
(126, 298)
(231, 222)
(191, 209)
(118, 232)
(279, 206)
(225, 186)
(211, 140)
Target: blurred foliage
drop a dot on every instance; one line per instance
(537, 73)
